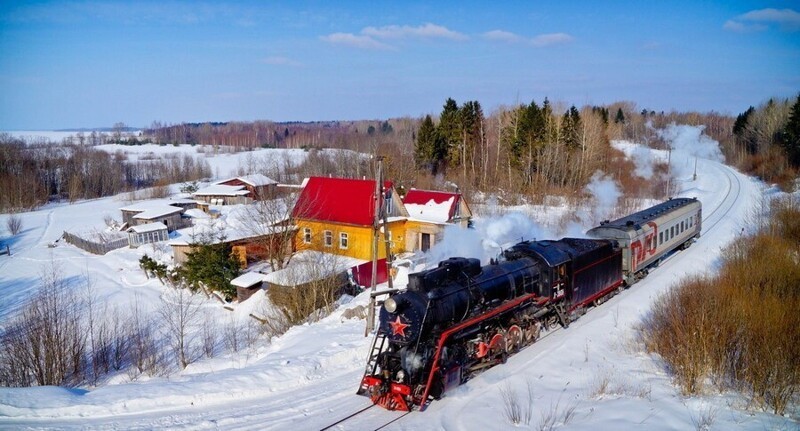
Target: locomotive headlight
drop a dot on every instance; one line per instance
(390, 305)
(401, 375)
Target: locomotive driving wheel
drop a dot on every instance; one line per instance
(497, 346)
(513, 339)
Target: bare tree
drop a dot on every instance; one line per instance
(143, 347)
(14, 224)
(269, 222)
(180, 312)
(45, 343)
(308, 290)
(210, 337)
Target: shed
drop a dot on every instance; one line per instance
(247, 284)
(147, 234)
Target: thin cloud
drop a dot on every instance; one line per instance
(761, 19)
(281, 61)
(426, 30)
(503, 36)
(374, 37)
(354, 40)
(551, 39)
(538, 41)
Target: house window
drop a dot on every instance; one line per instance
(307, 235)
(328, 238)
(343, 240)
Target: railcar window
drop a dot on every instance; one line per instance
(660, 238)
(682, 226)
(328, 235)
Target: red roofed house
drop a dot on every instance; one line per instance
(335, 215)
(429, 212)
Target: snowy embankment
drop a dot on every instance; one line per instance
(590, 376)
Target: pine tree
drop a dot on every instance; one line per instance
(449, 131)
(741, 121)
(791, 135)
(213, 265)
(570, 126)
(620, 118)
(425, 144)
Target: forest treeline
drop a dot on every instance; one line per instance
(526, 151)
(31, 175)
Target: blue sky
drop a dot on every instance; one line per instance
(92, 64)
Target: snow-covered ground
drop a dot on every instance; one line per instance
(591, 376)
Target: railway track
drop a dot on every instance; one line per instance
(716, 215)
(357, 421)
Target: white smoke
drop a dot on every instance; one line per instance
(489, 237)
(688, 143)
(691, 141)
(642, 158)
(605, 194)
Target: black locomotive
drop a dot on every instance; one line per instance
(461, 317)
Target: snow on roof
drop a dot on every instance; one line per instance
(221, 190)
(152, 209)
(429, 205)
(431, 211)
(248, 279)
(309, 265)
(154, 213)
(254, 180)
(149, 227)
(192, 235)
(196, 213)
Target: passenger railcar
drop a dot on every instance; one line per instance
(647, 236)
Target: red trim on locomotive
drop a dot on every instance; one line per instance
(446, 334)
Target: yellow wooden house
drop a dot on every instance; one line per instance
(335, 215)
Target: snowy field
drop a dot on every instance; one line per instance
(591, 376)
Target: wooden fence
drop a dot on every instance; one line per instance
(95, 247)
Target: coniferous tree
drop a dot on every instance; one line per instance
(570, 125)
(425, 146)
(791, 135)
(213, 265)
(620, 118)
(449, 131)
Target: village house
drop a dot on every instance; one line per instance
(238, 190)
(167, 212)
(335, 215)
(247, 248)
(429, 212)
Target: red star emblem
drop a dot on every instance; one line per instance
(398, 327)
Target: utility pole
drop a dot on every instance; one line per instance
(376, 220)
(669, 170)
(694, 178)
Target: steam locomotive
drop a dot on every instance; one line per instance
(460, 318)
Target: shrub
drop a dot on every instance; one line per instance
(14, 224)
(740, 328)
